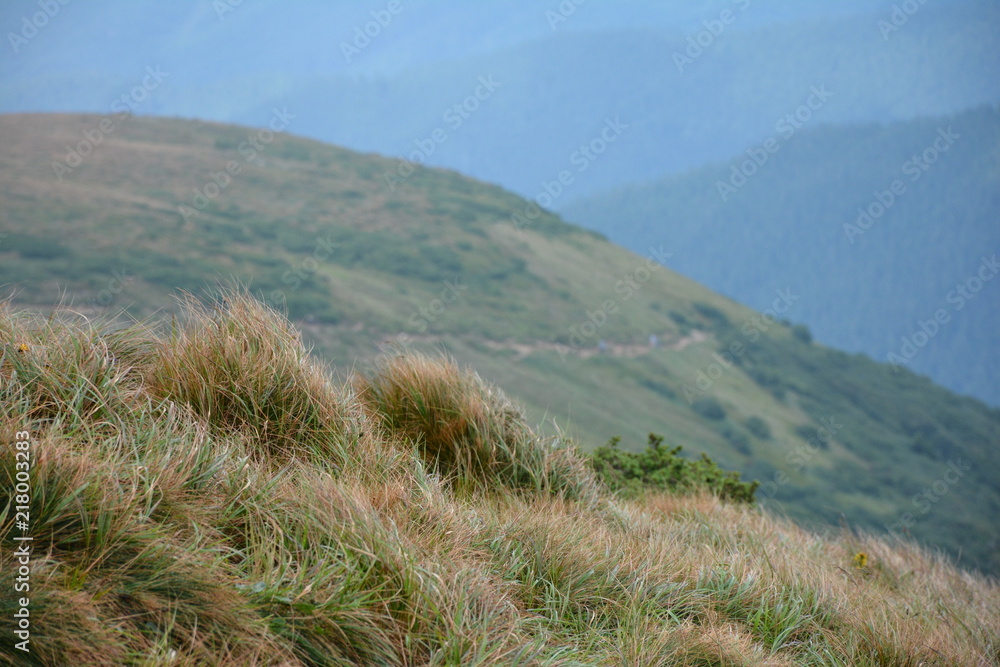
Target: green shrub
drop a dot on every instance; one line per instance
(711, 313)
(758, 427)
(658, 468)
(802, 333)
(769, 380)
(33, 247)
(660, 388)
(709, 408)
(810, 434)
(737, 438)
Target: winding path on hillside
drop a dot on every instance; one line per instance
(610, 348)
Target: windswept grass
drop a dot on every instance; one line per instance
(243, 369)
(211, 496)
(467, 429)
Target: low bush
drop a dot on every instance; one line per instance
(658, 468)
(758, 427)
(709, 408)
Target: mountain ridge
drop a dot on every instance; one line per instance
(942, 61)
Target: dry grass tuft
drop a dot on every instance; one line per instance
(467, 429)
(242, 368)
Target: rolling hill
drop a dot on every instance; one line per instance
(878, 229)
(557, 86)
(554, 314)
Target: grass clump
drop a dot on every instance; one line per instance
(467, 429)
(174, 524)
(63, 368)
(660, 469)
(243, 368)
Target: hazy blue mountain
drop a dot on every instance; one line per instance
(559, 81)
(811, 218)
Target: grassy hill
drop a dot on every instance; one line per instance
(866, 282)
(199, 491)
(557, 87)
(436, 262)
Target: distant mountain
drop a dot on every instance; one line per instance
(681, 104)
(598, 340)
(889, 232)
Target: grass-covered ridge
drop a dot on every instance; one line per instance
(204, 493)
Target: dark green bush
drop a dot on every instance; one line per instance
(660, 388)
(810, 434)
(709, 408)
(758, 427)
(769, 380)
(33, 247)
(711, 313)
(659, 468)
(737, 438)
(802, 333)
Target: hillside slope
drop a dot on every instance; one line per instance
(207, 495)
(871, 264)
(436, 262)
(555, 88)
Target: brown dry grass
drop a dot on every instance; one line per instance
(210, 497)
